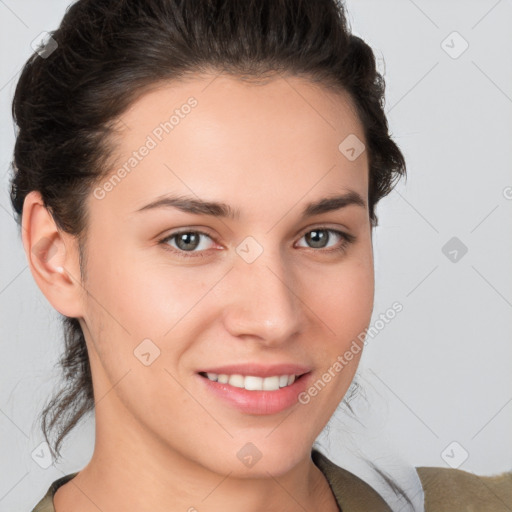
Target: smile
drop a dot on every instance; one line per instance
(257, 395)
(252, 382)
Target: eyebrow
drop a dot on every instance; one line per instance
(196, 206)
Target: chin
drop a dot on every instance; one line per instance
(262, 457)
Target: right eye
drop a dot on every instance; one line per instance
(186, 241)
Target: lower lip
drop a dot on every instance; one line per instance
(259, 402)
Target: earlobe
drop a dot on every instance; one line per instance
(51, 256)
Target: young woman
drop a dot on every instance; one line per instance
(196, 184)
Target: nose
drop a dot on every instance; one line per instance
(263, 302)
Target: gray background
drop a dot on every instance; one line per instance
(436, 374)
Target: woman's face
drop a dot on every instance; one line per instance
(266, 292)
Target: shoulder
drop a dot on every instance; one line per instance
(454, 489)
(46, 502)
(351, 492)
(445, 489)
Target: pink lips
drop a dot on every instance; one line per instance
(258, 402)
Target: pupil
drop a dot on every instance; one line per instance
(187, 237)
(317, 237)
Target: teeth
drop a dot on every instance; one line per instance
(236, 380)
(270, 383)
(253, 383)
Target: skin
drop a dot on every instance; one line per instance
(267, 150)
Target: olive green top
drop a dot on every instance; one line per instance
(446, 490)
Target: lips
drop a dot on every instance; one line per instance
(259, 399)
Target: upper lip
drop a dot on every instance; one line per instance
(258, 370)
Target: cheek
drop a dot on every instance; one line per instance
(131, 305)
(143, 295)
(344, 303)
(343, 298)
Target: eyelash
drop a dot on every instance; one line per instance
(347, 239)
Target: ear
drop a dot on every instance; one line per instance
(52, 257)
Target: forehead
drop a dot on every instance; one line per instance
(221, 137)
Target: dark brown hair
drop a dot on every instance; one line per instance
(111, 51)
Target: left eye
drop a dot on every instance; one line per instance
(319, 237)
